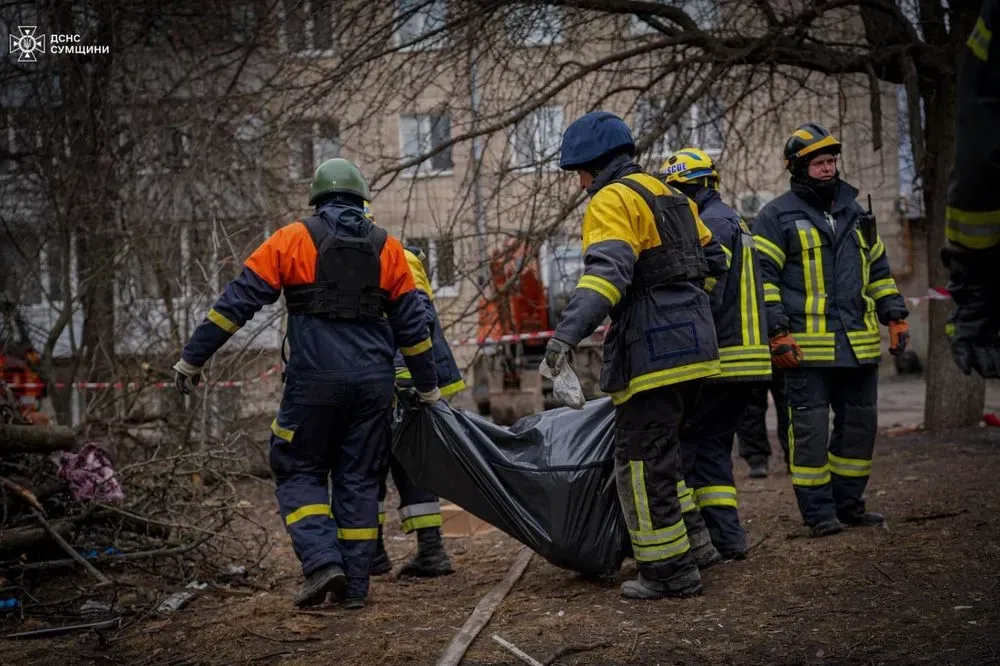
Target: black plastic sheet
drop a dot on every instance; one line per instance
(548, 480)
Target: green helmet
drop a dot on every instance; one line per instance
(338, 175)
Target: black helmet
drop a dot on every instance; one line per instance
(809, 139)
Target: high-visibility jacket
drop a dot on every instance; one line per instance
(324, 349)
(449, 377)
(738, 297)
(973, 213)
(823, 281)
(660, 334)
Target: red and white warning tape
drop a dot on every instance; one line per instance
(514, 337)
(231, 383)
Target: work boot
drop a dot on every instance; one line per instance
(326, 579)
(431, 559)
(685, 586)
(733, 554)
(825, 528)
(381, 564)
(758, 470)
(353, 603)
(704, 553)
(860, 518)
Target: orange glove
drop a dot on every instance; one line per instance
(785, 353)
(899, 337)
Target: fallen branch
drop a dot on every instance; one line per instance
(484, 611)
(77, 557)
(24, 493)
(934, 516)
(58, 631)
(104, 559)
(36, 439)
(575, 649)
(22, 537)
(883, 572)
(517, 652)
(280, 640)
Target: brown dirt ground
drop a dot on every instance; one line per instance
(926, 589)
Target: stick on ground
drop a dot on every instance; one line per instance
(517, 652)
(88, 567)
(484, 611)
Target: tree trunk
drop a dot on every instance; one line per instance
(952, 399)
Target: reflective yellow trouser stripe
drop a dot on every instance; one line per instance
(421, 522)
(281, 433)
(602, 286)
(403, 373)
(686, 498)
(357, 533)
(666, 377)
(857, 467)
(724, 496)
(976, 230)
(381, 513)
(222, 321)
(804, 476)
(637, 475)
(649, 544)
(308, 510)
(418, 348)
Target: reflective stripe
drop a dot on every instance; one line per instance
(773, 252)
(979, 40)
(381, 517)
(604, 287)
(882, 288)
(728, 253)
(658, 536)
(866, 344)
(976, 230)
(871, 323)
(810, 476)
(665, 552)
(637, 475)
(666, 377)
(452, 389)
(307, 511)
(281, 433)
(772, 293)
(815, 287)
(716, 496)
(710, 283)
(403, 373)
(857, 467)
(686, 498)
(818, 347)
(421, 522)
(749, 316)
(223, 322)
(418, 348)
(877, 250)
(422, 509)
(357, 533)
(730, 369)
(813, 147)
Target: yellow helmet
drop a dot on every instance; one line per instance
(689, 165)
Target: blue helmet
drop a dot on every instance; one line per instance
(591, 137)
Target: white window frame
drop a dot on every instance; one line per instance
(426, 15)
(546, 28)
(424, 122)
(546, 117)
(295, 46)
(45, 276)
(704, 12)
(318, 140)
(450, 290)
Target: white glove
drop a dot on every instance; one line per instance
(187, 376)
(429, 397)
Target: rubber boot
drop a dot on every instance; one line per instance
(328, 579)
(861, 518)
(681, 587)
(826, 528)
(704, 553)
(431, 559)
(758, 470)
(381, 564)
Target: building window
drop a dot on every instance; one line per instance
(420, 135)
(705, 13)
(441, 263)
(534, 26)
(247, 19)
(417, 18)
(312, 143)
(536, 138)
(700, 127)
(308, 27)
(32, 269)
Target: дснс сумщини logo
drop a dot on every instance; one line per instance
(27, 43)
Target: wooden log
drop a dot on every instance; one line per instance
(36, 439)
(20, 538)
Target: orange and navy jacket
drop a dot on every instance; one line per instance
(324, 350)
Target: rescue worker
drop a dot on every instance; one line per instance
(645, 266)
(737, 300)
(351, 303)
(972, 251)
(826, 279)
(419, 510)
(21, 366)
(751, 435)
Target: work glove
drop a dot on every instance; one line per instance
(556, 355)
(974, 327)
(429, 397)
(899, 337)
(785, 352)
(187, 376)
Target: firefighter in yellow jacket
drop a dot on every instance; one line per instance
(645, 266)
